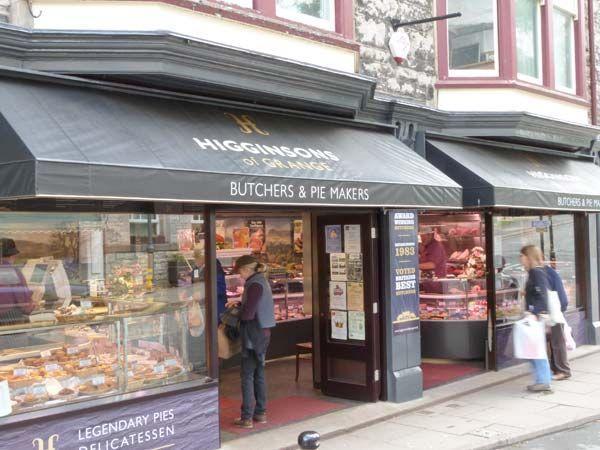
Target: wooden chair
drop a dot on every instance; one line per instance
(302, 348)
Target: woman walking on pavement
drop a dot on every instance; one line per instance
(559, 361)
(257, 319)
(536, 299)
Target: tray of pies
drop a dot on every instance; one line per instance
(65, 394)
(91, 388)
(29, 400)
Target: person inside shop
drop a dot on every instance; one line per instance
(536, 300)
(433, 256)
(503, 279)
(559, 361)
(17, 301)
(257, 319)
(198, 275)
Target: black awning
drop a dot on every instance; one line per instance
(507, 176)
(78, 141)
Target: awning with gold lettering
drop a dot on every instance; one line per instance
(513, 176)
(80, 140)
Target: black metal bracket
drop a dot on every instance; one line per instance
(398, 24)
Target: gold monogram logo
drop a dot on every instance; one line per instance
(246, 124)
(41, 445)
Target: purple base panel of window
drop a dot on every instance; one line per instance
(187, 420)
(504, 343)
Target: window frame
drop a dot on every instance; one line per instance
(341, 23)
(540, 50)
(508, 76)
(478, 73)
(573, 69)
(307, 19)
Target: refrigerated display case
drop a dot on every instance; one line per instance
(74, 362)
(454, 309)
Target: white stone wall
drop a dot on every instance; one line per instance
(415, 78)
(4, 10)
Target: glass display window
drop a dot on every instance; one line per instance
(554, 235)
(452, 262)
(89, 302)
(51, 366)
(278, 242)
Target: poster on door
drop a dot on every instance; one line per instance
(355, 296)
(403, 254)
(337, 295)
(356, 325)
(337, 266)
(339, 325)
(352, 239)
(333, 239)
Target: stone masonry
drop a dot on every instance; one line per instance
(415, 78)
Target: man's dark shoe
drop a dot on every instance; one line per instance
(561, 376)
(243, 423)
(260, 418)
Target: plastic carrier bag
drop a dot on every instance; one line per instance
(529, 338)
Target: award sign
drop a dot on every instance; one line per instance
(404, 270)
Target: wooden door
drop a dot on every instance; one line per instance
(347, 279)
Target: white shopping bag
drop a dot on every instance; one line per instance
(569, 341)
(529, 338)
(554, 308)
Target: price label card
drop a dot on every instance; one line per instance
(20, 372)
(46, 354)
(98, 380)
(72, 350)
(159, 368)
(86, 304)
(170, 362)
(85, 362)
(52, 367)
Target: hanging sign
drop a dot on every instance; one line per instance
(399, 45)
(403, 255)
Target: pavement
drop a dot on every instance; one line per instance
(584, 437)
(487, 411)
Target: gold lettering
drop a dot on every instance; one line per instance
(41, 445)
(246, 124)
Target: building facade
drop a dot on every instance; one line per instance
(153, 139)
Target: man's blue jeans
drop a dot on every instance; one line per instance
(541, 371)
(254, 387)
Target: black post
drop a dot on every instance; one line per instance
(398, 24)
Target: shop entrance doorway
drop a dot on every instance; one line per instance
(288, 242)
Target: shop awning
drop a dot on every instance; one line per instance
(515, 177)
(61, 140)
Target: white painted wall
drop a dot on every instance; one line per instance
(145, 16)
(505, 99)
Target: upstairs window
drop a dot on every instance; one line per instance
(242, 3)
(563, 18)
(318, 13)
(472, 38)
(529, 40)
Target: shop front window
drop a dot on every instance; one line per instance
(84, 313)
(472, 38)
(554, 235)
(452, 264)
(276, 241)
(318, 13)
(528, 39)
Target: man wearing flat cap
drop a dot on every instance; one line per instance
(16, 299)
